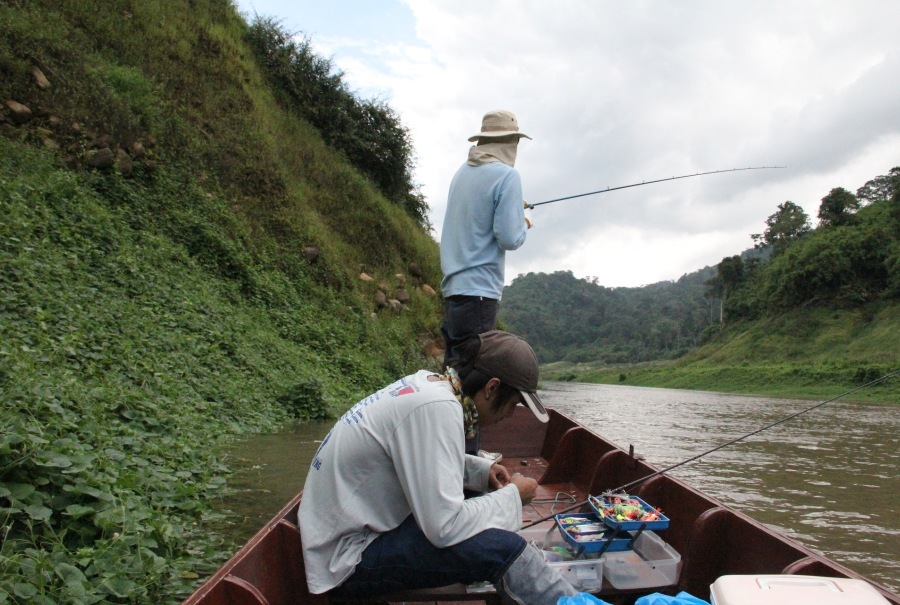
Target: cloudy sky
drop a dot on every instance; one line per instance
(615, 93)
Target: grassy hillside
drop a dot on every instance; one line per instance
(811, 353)
(180, 261)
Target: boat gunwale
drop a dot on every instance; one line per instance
(553, 460)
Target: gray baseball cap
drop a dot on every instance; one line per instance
(508, 357)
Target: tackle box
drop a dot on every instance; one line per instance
(586, 533)
(539, 534)
(652, 563)
(584, 573)
(792, 590)
(598, 504)
(547, 538)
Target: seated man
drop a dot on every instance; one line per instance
(383, 506)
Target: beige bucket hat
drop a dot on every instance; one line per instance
(498, 123)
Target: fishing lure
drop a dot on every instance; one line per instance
(588, 528)
(623, 507)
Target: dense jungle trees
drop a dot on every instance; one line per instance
(566, 318)
(729, 275)
(789, 223)
(851, 258)
(838, 208)
(880, 188)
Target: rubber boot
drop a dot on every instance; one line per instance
(530, 581)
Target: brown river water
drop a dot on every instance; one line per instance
(828, 478)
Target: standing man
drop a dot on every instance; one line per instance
(383, 506)
(485, 218)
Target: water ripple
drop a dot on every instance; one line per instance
(831, 472)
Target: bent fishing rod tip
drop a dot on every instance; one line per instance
(645, 182)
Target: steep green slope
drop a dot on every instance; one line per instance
(179, 263)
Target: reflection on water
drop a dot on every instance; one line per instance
(271, 470)
(827, 478)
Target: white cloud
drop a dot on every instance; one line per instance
(615, 93)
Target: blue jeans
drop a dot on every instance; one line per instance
(465, 317)
(403, 558)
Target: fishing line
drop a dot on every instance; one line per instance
(627, 486)
(671, 178)
(560, 498)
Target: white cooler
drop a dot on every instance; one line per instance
(793, 590)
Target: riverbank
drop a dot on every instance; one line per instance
(782, 381)
(811, 354)
(179, 265)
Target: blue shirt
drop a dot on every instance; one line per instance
(485, 218)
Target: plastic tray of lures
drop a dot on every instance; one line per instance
(585, 573)
(586, 533)
(624, 512)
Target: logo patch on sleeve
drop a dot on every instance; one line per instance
(403, 390)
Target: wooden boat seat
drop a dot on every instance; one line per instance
(669, 494)
(256, 580)
(615, 469)
(709, 552)
(813, 566)
(566, 464)
(558, 425)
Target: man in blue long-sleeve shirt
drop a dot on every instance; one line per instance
(485, 218)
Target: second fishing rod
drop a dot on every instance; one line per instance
(624, 488)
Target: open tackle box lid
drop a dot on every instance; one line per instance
(604, 507)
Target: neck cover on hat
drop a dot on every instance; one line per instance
(479, 155)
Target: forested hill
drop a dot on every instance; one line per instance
(848, 265)
(203, 233)
(578, 320)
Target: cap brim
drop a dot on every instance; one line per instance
(535, 405)
(497, 133)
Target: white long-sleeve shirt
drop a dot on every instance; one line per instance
(396, 452)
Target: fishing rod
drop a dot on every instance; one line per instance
(627, 486)
(671, 178)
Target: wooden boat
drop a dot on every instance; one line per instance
(564, 457)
